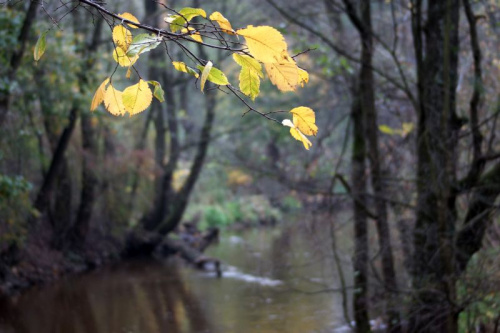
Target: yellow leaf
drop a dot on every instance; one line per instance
(193, 34)
(179, 178)
(297, 134)
(189, 13)
(129, 72)
(137, 98)
(181, 67)
(130, 17)
(204, 74)
(284, 74)
(99, 95)
(122, 37)
(403, 132)
(223, 22)
(386, 129)
(238, 177)
(113, 101)
(251, 63)
(185, 15)
(303, 77)
(123, 59)
(305, 120)
(301, 137)
(266, 44)
(249, 82)
(407, 128)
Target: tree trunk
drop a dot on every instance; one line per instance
(140, 145)
(433, 307)
(179, 203)
(163, 180)
(59, 202)
(43, 198)
(363, 24)
(358, 192)
(79, 231)
(367, 91)
(77, 234)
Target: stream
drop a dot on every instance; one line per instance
(274, 280)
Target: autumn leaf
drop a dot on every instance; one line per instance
(123, 59)
(142, 43)
(122, 37)
(249, 82)
(305, 120)
(403, 132)
(303, 77)
(182, 67)
(204, 74)
(179, 178)
(284, 75)
(247, 61)
(99, 95)
(212, 74)
(130, 17)
(158, 92)
(250, 72)
(192, 33)
(297, 134)
(137, 98)
(113, 101)
(304, 123)
(40, 46)
(186, 15)
(223, 22)
(265, 43)
(189, 13)
(386, 129)
(407, 128)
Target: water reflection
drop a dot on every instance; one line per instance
(130, 297)
(264, 269)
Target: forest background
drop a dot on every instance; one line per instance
(405, 163)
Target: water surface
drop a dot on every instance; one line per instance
(275, 280)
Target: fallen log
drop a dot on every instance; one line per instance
(192, 255)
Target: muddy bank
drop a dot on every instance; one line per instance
(36, 263)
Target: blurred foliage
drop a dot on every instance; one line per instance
(249, 211)
(10, 24)
(479, 289)
(290, 204)
(15, 208)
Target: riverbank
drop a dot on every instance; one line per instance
(38, 264)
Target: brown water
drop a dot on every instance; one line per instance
(274, 281)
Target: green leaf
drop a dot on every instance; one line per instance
(249, 82)
(214, 75)
(142, 43)
(158, 92)
(186, 15)
(40, 46)
(251, 63)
